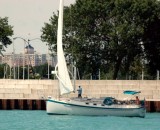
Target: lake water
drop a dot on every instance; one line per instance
(39, 120)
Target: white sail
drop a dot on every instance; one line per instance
(65, 84)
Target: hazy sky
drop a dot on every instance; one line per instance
(27, 18)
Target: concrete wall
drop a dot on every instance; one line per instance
(36, 89)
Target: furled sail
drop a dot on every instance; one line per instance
(63, 75)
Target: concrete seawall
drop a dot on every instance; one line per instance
(36, 90)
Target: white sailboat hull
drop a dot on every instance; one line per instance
(81, 108)
(85, 108)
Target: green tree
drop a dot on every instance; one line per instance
(1, 71)
(151, 42)
(42, 70)
(103, 34)
(6, 30)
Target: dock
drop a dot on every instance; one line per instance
(22, 104)
(32, 94)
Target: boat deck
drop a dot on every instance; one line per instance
(101, 101)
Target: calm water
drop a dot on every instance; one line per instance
(39, 120)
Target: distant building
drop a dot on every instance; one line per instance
(28, 57)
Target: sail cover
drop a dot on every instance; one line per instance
(129, 92)
(65, 84)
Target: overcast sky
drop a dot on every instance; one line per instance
(27, 18)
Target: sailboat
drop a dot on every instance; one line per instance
(84, 106)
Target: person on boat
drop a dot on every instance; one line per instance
(79, 92)
(137, 100)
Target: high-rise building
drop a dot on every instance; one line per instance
(29, 57)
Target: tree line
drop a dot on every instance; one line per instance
(119, 38)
